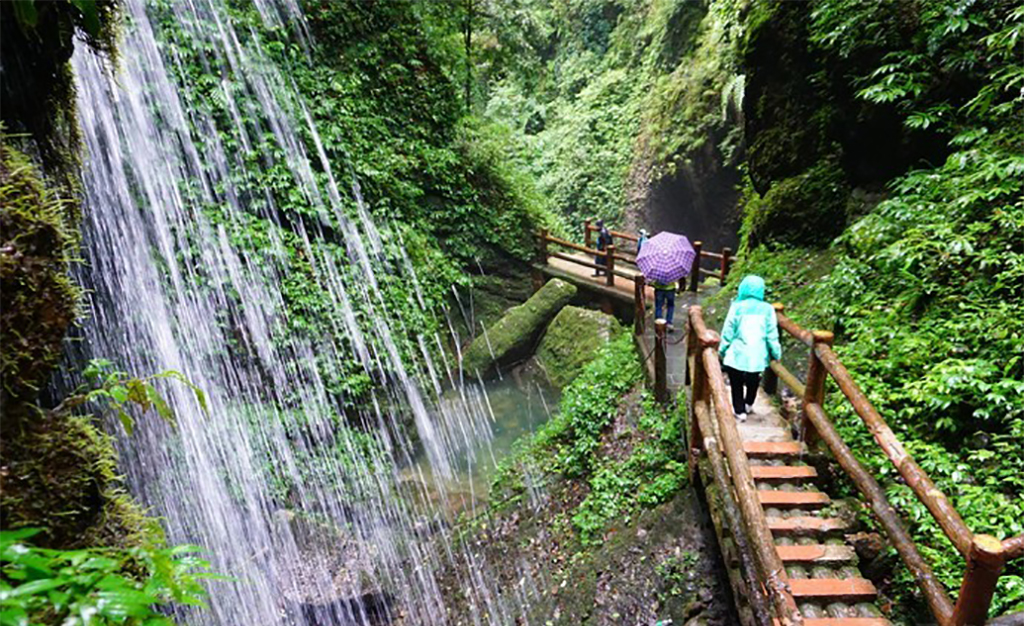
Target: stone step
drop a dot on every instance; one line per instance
(806, 525)
(818, 554)
(783, 473)
(832, 589)
(793, 499)
(844, 621)
(760, 449)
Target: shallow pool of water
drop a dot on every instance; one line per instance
(518, 406)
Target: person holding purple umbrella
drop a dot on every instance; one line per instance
(665, 298)
(664, 259)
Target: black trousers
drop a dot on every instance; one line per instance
(744, 388)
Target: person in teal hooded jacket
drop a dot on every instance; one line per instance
(750, 339)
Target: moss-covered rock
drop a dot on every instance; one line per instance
(513, 337)
(60, 474)
(804, 210)
(572, 340)
(37, 297)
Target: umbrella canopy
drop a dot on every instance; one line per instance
(665, 258)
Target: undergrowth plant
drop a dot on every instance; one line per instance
(95, 586)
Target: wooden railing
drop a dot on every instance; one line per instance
(545, 240)
(723, 259)
(713, 431)
(985, 556)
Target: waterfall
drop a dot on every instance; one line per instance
(187, 271)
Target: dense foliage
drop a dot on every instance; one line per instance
(606, 96)
(94, 586)
(574, 445)
(925, 289)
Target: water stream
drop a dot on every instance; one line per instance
(325, 504)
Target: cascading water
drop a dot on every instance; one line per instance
(180, 280)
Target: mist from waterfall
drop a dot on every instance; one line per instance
(177, 282)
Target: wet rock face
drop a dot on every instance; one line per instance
(513, 337)
(699, 200)
(571, 341)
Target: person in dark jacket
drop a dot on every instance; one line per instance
(604, 239)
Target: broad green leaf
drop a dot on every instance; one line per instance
(126, 421)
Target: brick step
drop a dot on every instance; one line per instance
(793, 499)
(832, 589)
(763, 449)
(818, 554)
(783, 473)
(806, 525)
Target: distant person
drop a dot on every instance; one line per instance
(750, 337)
(665, 298)
(604, 239)
(642, 240)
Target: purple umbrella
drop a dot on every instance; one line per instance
(665, 258)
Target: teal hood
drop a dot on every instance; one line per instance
(751, 288)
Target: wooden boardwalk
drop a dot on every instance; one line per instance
(784, 541)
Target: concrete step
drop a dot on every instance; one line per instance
(818, 554)
(783, 473)
(806, 525)
(793, 499)
(832, 589)
(762, 449)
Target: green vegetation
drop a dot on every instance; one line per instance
(37, 298)
(574, 445)
(94, 586)
(572, 340)
(604, 97)
(923, 289)
(654, 471)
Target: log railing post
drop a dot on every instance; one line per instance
(542, 247)
(726, 260)
(660, 364)
(609, 261)
(985, 562)
(697, 379)
(587, 240)
(639, 306)
(695, 270)
(771, 379)
(815, 390)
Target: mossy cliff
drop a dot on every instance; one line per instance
(883, 202)
(58, 471)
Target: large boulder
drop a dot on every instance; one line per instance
(572, 340)
(513, 337)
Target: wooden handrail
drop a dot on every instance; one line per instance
(613, 233)
(1014, 547)
(938, 504)
(573, 246)
(934, 593)
(772, 572)
(709, 442)
(985, 555)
